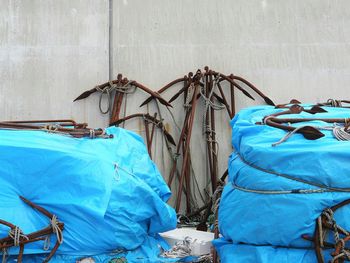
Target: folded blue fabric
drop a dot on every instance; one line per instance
(108, 192)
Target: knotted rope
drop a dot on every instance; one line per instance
(56, 229)
(334, 103)
(109, 89)
(340, 252)
(16, 234)
(210, 104)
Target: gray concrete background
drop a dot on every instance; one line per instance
(51, 51)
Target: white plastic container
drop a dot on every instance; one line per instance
(201, 241)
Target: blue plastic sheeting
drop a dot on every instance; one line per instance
(272, 219)
(262, 203)
(239, 253)
(108, 192)
(148, 252)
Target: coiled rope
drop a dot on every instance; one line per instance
(341, 133)
(181, 249)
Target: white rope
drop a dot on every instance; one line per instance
(341, 134)
(4, 255)
(51, 128)
(181, 249)
(92, 134)
(56, 229)
(16, 234)
(47, 243)
(287, 136)
(117, 167)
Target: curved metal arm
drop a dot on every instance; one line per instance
(308, 132)
(167, 86)
(122, 82)
(150, 118)
(231, 79)
(59, 227)
(250, 85)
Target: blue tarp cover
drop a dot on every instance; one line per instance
(108, 192)
(254, 209)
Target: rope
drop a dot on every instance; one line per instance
(216, 198)
(116, 167)
(322, 234)
(176, 156)
(109, 89)
(47, 243)
(106, 90)
(157, 124)
(56, 229)
(92, 134)
(209, 103)
(334, 103)
(187, 104)
(287, 136)
(4, 255)
(210, 140)
(126, 88)
(181, 249)
(293, 178)
(277, 192)
(51, 128)
(16, 234)
(329, 216)
(341, 133)
(345, 255)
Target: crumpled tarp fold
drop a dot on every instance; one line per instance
(263, 214)
(107, 192)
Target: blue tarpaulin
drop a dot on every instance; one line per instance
(275, 193)
(107, 192)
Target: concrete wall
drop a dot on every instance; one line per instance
(50, 51)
